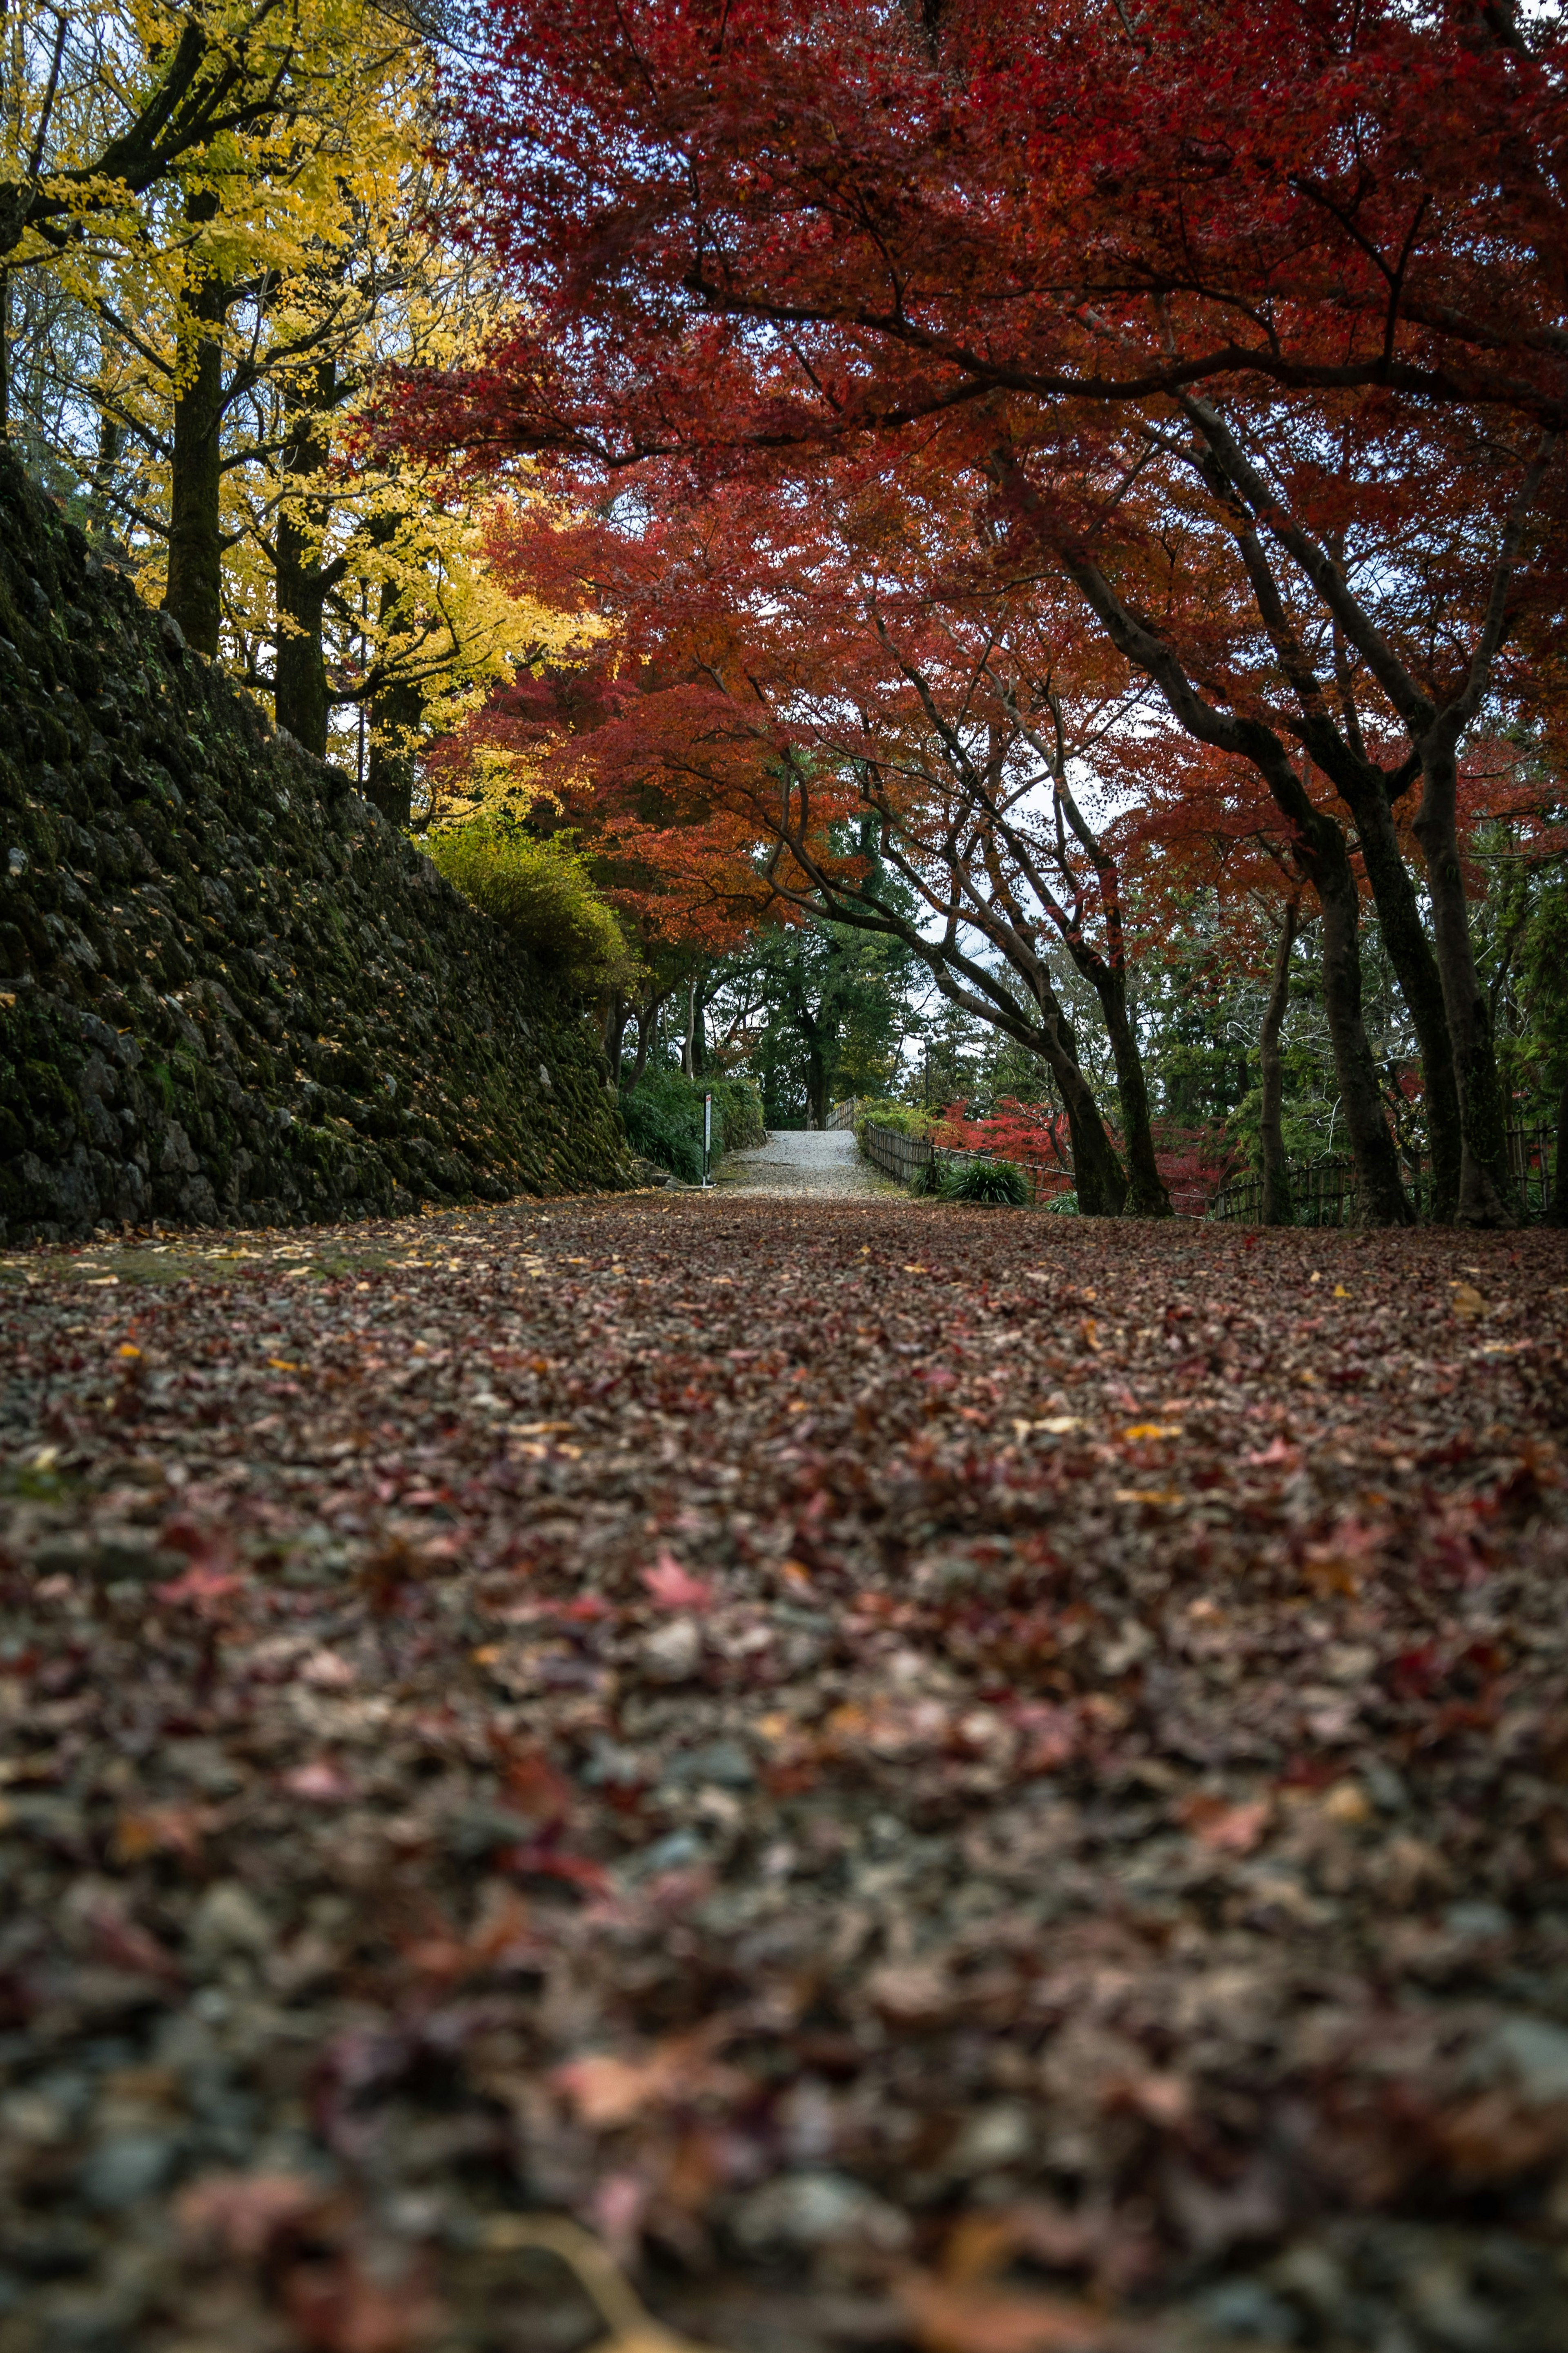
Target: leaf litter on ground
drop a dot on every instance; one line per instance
(924, 1776)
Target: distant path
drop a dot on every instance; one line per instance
(818, 1160)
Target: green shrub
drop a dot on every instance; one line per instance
(674, 1141)
(543, 895)
(663, 1118)
(927, 1183)
(1001, 1183)
(1064, 1206)
(904, 1117)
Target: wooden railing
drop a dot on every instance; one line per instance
(897, 1154)
(1324, 1192)
(903, 1157)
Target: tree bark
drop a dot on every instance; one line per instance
(110, 443)
(648, 1036)
(1486, 1186)
(1323, 856)
(815, 1086)
(1384, 1200)
(300, 669)
(1556, 1210)
(1146, 1196)
(395, 717)
(1420, 981)
(615, 1019)
(1277, 1205)
(194, 591)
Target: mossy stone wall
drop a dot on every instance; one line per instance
(229, 990)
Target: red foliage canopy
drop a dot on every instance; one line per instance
(770, 220)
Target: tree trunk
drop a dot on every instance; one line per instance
(688, 1066)
(616, 1021)
(1146, 1196)
(1486, 1188)
(300, 669)
(4, 355)
(815, 1087)
(110, 443)
(1420, 981)
(698, 1033)
(1556, 1210)
(1277, 1209)
(394, 718)
(194, 591)
(648, 1037)
(1098, 1177)
(1384, 1200)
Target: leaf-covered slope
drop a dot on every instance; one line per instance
(228, 988)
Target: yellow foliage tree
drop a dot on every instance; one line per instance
(225, 315)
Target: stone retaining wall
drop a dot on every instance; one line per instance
(229, 990)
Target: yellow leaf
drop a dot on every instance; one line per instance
(1468, 1301)
(917, 1269)
(1154, 1430)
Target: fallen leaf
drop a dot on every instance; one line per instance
(1225, 1828)
(952, 2317)
(321, 1783)
(243, 2212)
(673, 1587)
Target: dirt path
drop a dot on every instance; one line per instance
(821, 1162)
(939, 1778)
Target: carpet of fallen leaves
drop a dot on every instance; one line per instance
(938, 1778)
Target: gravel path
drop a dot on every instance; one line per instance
(818, 1161)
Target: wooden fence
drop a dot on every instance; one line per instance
(903, 1156)
(1323, 1192)
(843, 1113)
(897, 1154)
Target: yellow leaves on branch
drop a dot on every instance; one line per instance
(311, 213)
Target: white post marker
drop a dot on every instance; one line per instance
(707, 1136)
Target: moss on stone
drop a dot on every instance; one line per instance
(236, 991)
